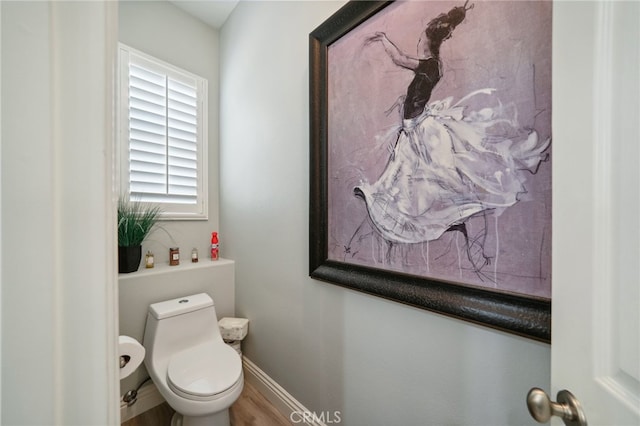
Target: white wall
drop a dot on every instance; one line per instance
(160, 29)
(59, 319)
(376, 361)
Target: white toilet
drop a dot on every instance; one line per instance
(195, 371)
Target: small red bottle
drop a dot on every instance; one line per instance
(214, 246)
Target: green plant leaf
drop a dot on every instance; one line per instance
(135, 221)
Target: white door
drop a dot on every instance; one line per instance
(596, 208)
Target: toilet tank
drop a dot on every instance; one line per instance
(180, 323)
(180, 306)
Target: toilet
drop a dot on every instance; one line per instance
(195, 371)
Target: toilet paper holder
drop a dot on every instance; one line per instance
(124, 360)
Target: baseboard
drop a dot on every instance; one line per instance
(148, 397)
(286, 404)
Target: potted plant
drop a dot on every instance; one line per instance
(135, 221)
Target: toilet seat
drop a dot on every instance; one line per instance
(204, 372)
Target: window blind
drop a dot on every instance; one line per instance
(163, 137)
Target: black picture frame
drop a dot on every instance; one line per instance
(517, 314)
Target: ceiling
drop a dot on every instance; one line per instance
(212, 12)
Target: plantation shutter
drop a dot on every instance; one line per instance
(163, 137)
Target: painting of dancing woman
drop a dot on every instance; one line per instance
(448, 176)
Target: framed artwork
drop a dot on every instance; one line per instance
(430, 157)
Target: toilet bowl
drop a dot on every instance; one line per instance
(195, 371)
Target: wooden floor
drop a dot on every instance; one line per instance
(251, 409)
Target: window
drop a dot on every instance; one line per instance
(163, 132)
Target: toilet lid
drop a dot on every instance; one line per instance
(205, 370)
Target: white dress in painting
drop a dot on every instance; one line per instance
(447, 166)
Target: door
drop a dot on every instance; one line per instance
(595, 351)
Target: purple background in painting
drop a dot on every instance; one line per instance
(505, 45)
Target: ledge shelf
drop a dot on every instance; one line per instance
(165, 268)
